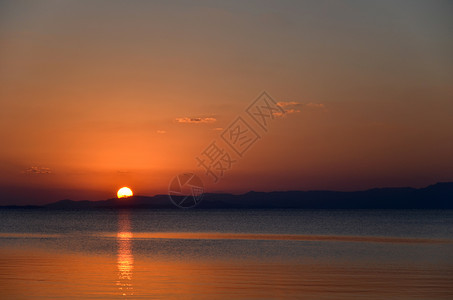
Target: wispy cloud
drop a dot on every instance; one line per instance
(195, 120)
(161, 131)
(290, 107)
(289, 103)
(37, 171)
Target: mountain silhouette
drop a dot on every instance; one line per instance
(437, 196)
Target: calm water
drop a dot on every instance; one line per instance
(224, 254)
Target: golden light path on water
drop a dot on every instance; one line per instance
(125, 258)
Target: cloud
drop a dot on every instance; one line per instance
(37, 171)
(195, 120)
(290, 103)
(161, 131)
(290, 107)
(292, 111)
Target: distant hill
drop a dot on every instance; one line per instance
(158, 201)
(437, 196)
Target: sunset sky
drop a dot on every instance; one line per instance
(96, 95)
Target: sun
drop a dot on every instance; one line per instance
(124, 192)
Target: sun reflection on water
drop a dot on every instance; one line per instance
(125, 260)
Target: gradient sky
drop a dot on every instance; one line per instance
(96, 95)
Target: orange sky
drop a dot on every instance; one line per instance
(95, 96)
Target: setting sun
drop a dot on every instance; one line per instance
(124, 192)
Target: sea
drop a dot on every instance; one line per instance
(226, 254)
